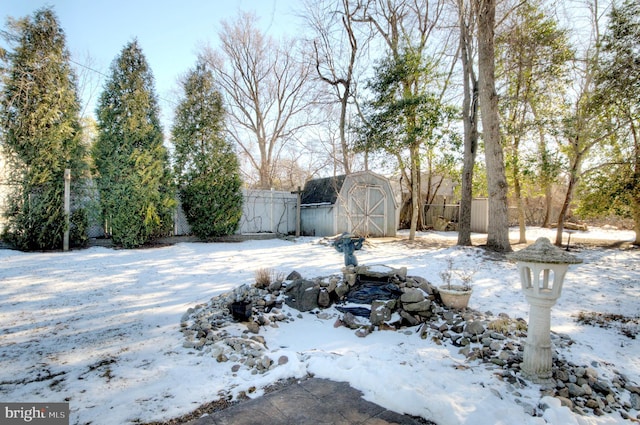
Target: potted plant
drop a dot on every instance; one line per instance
(455, 296)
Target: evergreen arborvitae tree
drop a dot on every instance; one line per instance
(206, 167)
(41, 132)
(133, 175)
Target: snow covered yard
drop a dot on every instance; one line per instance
(99, 328)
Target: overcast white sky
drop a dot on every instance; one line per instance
(168, 31)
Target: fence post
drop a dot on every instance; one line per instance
(298, 201)
(67, 208)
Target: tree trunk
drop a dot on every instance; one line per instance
(343, 138)
(636, 219)
(522, 222)
(574, 174)
(635, 194)
(415, 190)
(517, 189)
(264, 174)
(548, 201)
(544, 177)
(470, 120)
(498, 232)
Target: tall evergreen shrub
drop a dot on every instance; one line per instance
(206, 167)
(41, 132)
(133, 175)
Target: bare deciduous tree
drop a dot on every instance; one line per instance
(585, 124)
(265, 88)
(337, 48)
(407, 25)
(498, 231)
(466, 23)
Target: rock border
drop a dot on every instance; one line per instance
(494, 341)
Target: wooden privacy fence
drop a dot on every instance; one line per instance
(451, 212)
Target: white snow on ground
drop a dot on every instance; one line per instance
(100, 328)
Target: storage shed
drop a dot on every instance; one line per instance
(361, 203)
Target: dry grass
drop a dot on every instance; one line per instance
(506, 325)
(266, 276)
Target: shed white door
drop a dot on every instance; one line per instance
(367, 210)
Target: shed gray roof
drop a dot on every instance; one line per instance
(322, 191)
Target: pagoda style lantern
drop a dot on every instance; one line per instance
(542, 267)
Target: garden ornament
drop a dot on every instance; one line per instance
(347, 244)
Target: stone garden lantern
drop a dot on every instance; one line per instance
(542, 267)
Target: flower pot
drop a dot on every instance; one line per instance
(455, 296)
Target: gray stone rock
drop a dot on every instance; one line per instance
(341, 289)
(634, 399)
(495, 345)
(275, 286)
(350, 321)
(324, 315)
(412, 295)
(362, 332)
(324, 300)
(593, 404)
(575, 390)
(632, 388)
(420, 280)
(191, 344)
(474, 327)
(591, 373)
(380, 270)
(266, 362)
(561, 375)
(409, 318)
(259, 339)
(497, 335)
(465, 351)
(424, 305)
(253, 327)
(333, 282)
(528, 409)
(564, 401)
(380, 312)
(303, 295)
(294, 275)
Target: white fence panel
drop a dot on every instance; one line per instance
(480, 215)
(263, 211)
(268, 211)
(318, 220)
